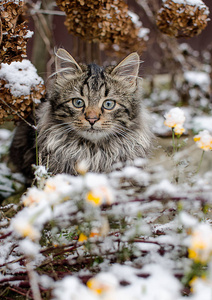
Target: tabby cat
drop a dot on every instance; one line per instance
(91, 114)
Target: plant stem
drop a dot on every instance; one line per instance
(36, 136)
(173, 141)
(36, 147)
(201, 159)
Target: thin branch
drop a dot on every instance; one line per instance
(17, 114)
(34, 11)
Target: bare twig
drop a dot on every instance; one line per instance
(18, 114)
(34, 11)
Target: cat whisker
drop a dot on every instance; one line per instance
(120, 132)
(64, 70)
(56, 126)
(116, 136)
(126, 135)
(131, 145)
(124, 128)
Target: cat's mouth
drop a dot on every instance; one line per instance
(93, 134)
(94, 130)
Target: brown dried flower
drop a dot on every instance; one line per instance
(182, 18)
(13, 32)
(20, 89)
(105, 21)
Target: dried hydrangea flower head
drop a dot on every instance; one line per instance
(21, 88)
(182, 18)
(14, 31)
(105, 21)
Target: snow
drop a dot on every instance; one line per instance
(158, 125)
(14, 1)
(21, 77)
(29, 34)
(135, 18)
(148, 221)
(198, 3)
(5, 134)
(162, 189)
(202, 122)
(70, 288)
(174, 117)
(202, 289)
(187, 220)
(143, 32)
(29, 248)
(197, 78)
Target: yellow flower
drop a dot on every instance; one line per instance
(178, 129)
(99, 195)
(33, 197)
(102, 283)
(49, 186)
(198, 284)
(94, 197)
(200, 249)
(25, 229)
(204, 140)
(94, 233)
(192, 254)
(170, 123)
(82, 238)
(192, 283)
(82, 167)
(174, 117)
(94, 286)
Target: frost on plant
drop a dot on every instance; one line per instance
(109, 242)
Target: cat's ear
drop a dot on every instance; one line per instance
(128, 68)
(65, 64)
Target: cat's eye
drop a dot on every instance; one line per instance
(78, 103)
(109, 104)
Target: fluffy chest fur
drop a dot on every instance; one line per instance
(63, 150)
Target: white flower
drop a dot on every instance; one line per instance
(200, 248)
(204, 140)
(33, 197)
(174, 117)
(201, 288)
(179, 129)
(25, 229)
(102, 283)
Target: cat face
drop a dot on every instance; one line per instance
(95, 103)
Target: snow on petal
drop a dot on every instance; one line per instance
(174, 117)
(102, 283)
(203, 140)
(25, 229)
(21, 77)
(200, 244)
(179, 129)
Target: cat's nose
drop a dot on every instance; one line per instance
(92, 120)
